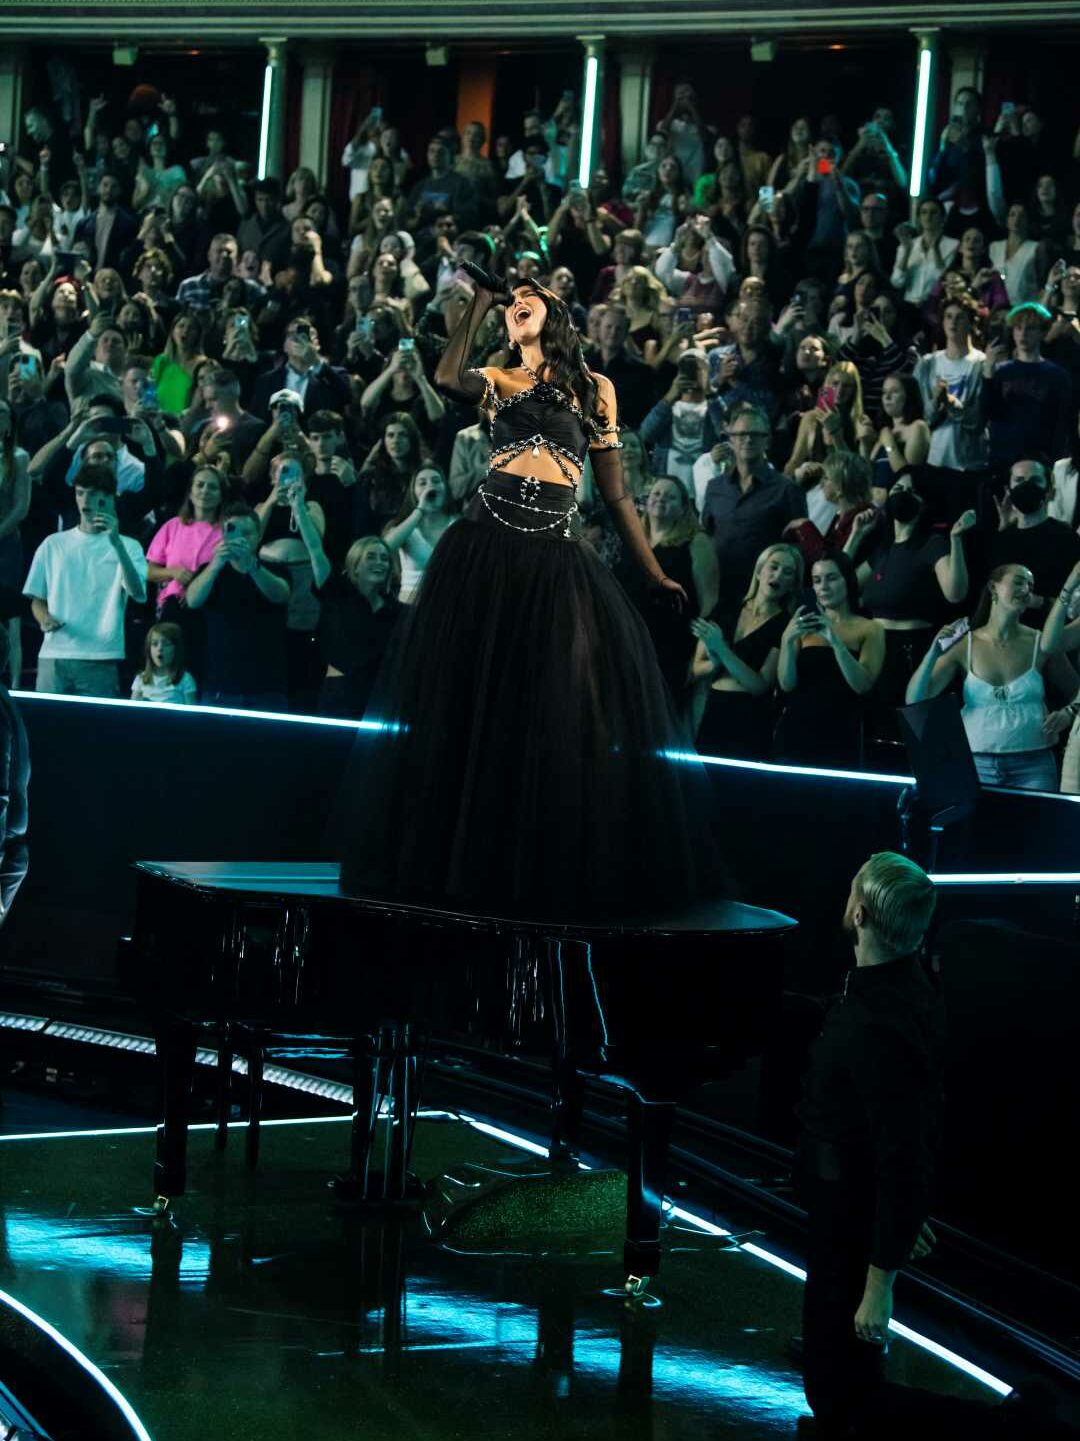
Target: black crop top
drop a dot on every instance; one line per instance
(543, 417)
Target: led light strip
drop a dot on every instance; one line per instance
(115, 702)
(1005, 878)
(264, 121)
(779, 1262)
(588, 119)
(110, 1389)
(922, 101)
(774, 768)
(204, 1056)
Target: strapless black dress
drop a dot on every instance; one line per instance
(523, 753)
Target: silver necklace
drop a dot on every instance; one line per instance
(527, 368)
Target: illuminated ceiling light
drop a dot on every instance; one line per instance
(922, 104)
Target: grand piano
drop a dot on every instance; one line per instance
(654, 1005)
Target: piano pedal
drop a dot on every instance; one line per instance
(158, 1213)
(635, 1294)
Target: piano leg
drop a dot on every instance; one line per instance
(255, 1100)
(405, 1099)
(649, 1126)
(365, 1102)
(175, 1040)
(224, 1088)
(567, 1111)
(383, 1068)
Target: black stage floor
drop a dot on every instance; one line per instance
(272, 1310)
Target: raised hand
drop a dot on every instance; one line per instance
(995, 353)
(964, 523)
(865, 429)
(863, 521)
(1006, 512)
(950, 634)
(711, 637)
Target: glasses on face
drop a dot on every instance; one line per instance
(748, 435)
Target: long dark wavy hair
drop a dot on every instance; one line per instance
(564, 361)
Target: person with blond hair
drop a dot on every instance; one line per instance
(738, 650)
(871, 1114)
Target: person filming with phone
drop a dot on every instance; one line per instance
(685, 424)
(284, 435)
(403, 386)
(245, 603)
(303, 370)
(828, 204)
(830, 659)
(79, 583)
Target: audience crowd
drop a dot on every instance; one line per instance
(853, 438)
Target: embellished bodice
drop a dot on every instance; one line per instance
(543, 417)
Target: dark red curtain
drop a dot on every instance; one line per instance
(611, 119)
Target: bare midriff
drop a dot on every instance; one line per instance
(541, 467)
(904, 624)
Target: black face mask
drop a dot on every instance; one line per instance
(903, 505)
(1028, 496)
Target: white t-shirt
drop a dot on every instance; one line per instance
(78, 577)
(161, 688)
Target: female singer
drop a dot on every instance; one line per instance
(529, 755)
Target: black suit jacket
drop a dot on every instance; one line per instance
(14, 811)
(125, 229)
(328, 389)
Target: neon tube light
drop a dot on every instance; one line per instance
(922, 104)
(588, 118)
(264, 122)
(775, 768)
(309, 720)
(1007, 878)
(115, 1395)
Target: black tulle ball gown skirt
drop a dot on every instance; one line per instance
(527, 758)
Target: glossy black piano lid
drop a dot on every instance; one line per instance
(317, 882)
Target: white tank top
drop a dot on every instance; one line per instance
(1004, 719)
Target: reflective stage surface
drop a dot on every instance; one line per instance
(272, 1310)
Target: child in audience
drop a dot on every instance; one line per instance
(163, 677)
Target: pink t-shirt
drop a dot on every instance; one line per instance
(190, 546)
